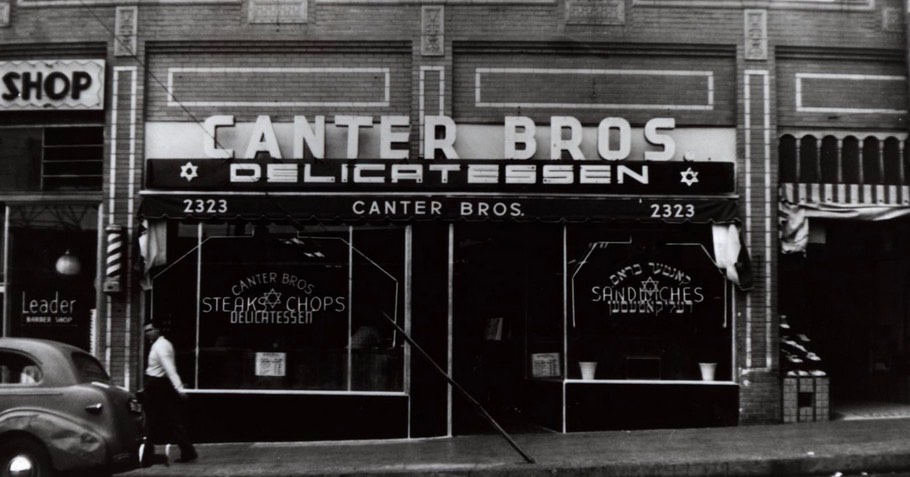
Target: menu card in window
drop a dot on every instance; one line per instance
(545, 365)
(270, 364)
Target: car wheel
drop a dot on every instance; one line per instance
(24, 457)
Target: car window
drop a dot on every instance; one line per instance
(89, 369)
(17, 369)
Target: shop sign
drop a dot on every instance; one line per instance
(517, 138)
(282, 287)
(51, 84)
(47, 307)
(633, 282)
(443, 175)
(330, 207)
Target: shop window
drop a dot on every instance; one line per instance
(284, 307)
(645, 306)
(72, 158)
(51, 282)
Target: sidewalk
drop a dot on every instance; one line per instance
(849, 447)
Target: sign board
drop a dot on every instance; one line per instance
(443, 175)
(51, 84)
(656, 287)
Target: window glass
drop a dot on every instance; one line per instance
(72, 158)
(52, 259)
(89, 369)
(20, 159)
(18, 369)
(283, 306)
(51, 158)
(646, 304)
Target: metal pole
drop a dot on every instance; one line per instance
(470, 398)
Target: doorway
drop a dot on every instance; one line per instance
(506, 278)
(846, 300)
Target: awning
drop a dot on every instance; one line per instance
(369, 207)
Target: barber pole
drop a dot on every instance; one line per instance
(114, 261)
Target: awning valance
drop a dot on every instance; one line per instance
(367, 207)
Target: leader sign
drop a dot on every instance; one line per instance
(51, 84)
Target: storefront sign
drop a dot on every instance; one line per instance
(48, 308)
(393, 138)
(627, 281)
(331, 207)
(54, 84)
(601, 177)
(289, 288)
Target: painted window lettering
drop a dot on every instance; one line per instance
(205, 206)
(672, 211)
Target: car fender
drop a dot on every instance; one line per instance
(70, 445)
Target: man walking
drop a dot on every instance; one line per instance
(163, 395)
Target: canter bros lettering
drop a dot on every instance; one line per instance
(68, 84)
(520, 138)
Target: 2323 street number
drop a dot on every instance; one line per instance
(672, 211)
(205, 206)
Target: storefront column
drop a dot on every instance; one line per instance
(757, 320)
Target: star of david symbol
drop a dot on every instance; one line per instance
(649, 285)
(689, 177)
(272, 298)
(189, 171)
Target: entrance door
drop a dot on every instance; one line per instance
(506, 276)
(845, 300)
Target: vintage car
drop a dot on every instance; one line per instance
(60, 412)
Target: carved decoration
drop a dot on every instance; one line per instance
(756, 31)
(432, 29)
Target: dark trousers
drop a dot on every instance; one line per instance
(164, 417)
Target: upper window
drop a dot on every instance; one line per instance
(843, 159)
(51, 158)
(72, 158)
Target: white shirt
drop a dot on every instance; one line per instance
(161, 362)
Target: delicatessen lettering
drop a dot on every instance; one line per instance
(273, 298)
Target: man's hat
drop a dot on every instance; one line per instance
(149, 326)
